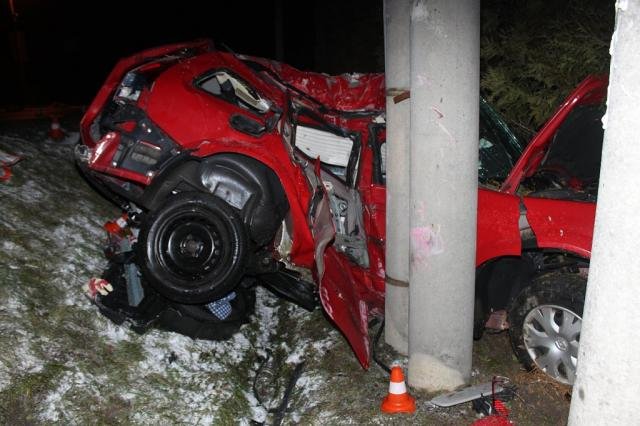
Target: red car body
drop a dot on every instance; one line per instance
(350, 293)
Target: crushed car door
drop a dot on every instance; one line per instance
(335, 218)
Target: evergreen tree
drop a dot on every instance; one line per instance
(534, 52)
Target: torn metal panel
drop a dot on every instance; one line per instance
(467, 394)
(345, 92)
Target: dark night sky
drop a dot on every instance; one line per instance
(72, 45)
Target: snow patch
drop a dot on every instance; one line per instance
(9, 246)
(258, 412)
(115, 333)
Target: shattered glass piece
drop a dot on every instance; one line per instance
(485, 143)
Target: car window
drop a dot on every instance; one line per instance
(498, 147)
(576, 147)
(230, 88)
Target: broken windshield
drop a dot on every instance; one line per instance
(223, 84)
(498, 147)
(576, 148)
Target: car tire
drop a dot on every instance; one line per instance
(193, 248)
(546, 320)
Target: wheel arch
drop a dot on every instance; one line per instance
(499, 280)
(243, 182)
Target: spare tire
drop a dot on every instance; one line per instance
(193, 248)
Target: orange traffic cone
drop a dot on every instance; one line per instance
(398, 399)
(55, 132)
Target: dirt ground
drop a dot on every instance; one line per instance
(61, 362)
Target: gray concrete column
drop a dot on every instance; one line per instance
(397, 20)
(608, 376)
(445, 56)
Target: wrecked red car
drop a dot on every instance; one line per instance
(234, 171)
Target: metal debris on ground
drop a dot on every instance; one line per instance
(467, 394)
(280, 410)
(493, 406)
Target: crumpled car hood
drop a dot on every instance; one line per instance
(591, 90)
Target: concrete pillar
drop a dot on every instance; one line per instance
(445, 56)
(607, 385)
(397, 20)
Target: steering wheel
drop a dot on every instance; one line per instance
(559, 177)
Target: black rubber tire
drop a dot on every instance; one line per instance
(180, 274)
(566, 290)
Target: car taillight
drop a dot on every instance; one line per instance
(146, 153)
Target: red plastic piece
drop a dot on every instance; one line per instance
(6, 174)
(97, 286)
(117, 226)
(500, 408)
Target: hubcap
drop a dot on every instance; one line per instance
(552, 337)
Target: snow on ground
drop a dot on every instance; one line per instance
(62, 362)
(74, 364)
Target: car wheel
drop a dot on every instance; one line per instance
(192, 249)
(546, 320)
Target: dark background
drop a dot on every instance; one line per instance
(533, 52)
(71, 45)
